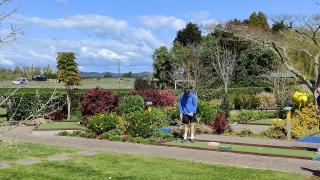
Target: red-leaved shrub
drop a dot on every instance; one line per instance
(220, 123)
(147, 94)
(166, 98)
(98, 100)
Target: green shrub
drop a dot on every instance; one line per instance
(76, 114)
(161, 135)
(246, 101)
(206, 112)
(245, 116)
(91, 135)
(140, 83)
(226, 105)
(246, 132)
(63, 133)
(172, 114)
(35, 104)
(130, 104)
(209, 94)
(277, 130)
(144, 123)
(102, 122)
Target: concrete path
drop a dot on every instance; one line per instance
(241, 160)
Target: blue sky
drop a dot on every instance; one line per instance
(102, 31)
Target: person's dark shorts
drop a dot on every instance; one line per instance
(186, 119)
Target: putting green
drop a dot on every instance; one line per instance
(251, 149)
(60, 125)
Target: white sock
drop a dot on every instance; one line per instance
(192, 136)
(185, 135)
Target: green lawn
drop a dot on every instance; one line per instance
(3, 113)
(19, 150)
(261, 121)
(119, 166)
(61, 125)
(263, 150)
(109, 83)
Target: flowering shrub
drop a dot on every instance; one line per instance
(220, 123)
(267, 100)
(166, 98)
(98, 100)
(147, 95)
(130, 104)
(103, 122)
(144, 123)
(305, 121)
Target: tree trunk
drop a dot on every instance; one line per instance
(69, 105)
(225, 87)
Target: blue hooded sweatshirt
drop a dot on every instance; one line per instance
(187, 104)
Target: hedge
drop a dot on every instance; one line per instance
(209, 94)
(22, 106)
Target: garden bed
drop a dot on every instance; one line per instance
(252, 149)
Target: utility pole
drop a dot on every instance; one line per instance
(119, 71)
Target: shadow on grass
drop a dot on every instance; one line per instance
(314, 172)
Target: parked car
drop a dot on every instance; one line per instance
(20, 81)
(40, 77)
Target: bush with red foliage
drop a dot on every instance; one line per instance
(147, 95)
(220, 123)
(166, 98)
(98, 100)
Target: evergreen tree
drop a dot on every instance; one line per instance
(163, 66)
(191, 34)
(263, 21)
(68, 73)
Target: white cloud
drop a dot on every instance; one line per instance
(100, 53)
(92, 55)
(4, 61)
(42, 56)
(90, 22)
(162, 21)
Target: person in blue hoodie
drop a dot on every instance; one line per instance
(187, 109)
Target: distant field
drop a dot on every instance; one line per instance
(108, 83)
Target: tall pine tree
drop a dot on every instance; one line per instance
(190, 35)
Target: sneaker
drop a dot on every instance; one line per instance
(184, 140)
(192, 141)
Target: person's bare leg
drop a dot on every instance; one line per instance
(192, 130)
(186, 129)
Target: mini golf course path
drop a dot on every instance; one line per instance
(242, 160)
(247, 140)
